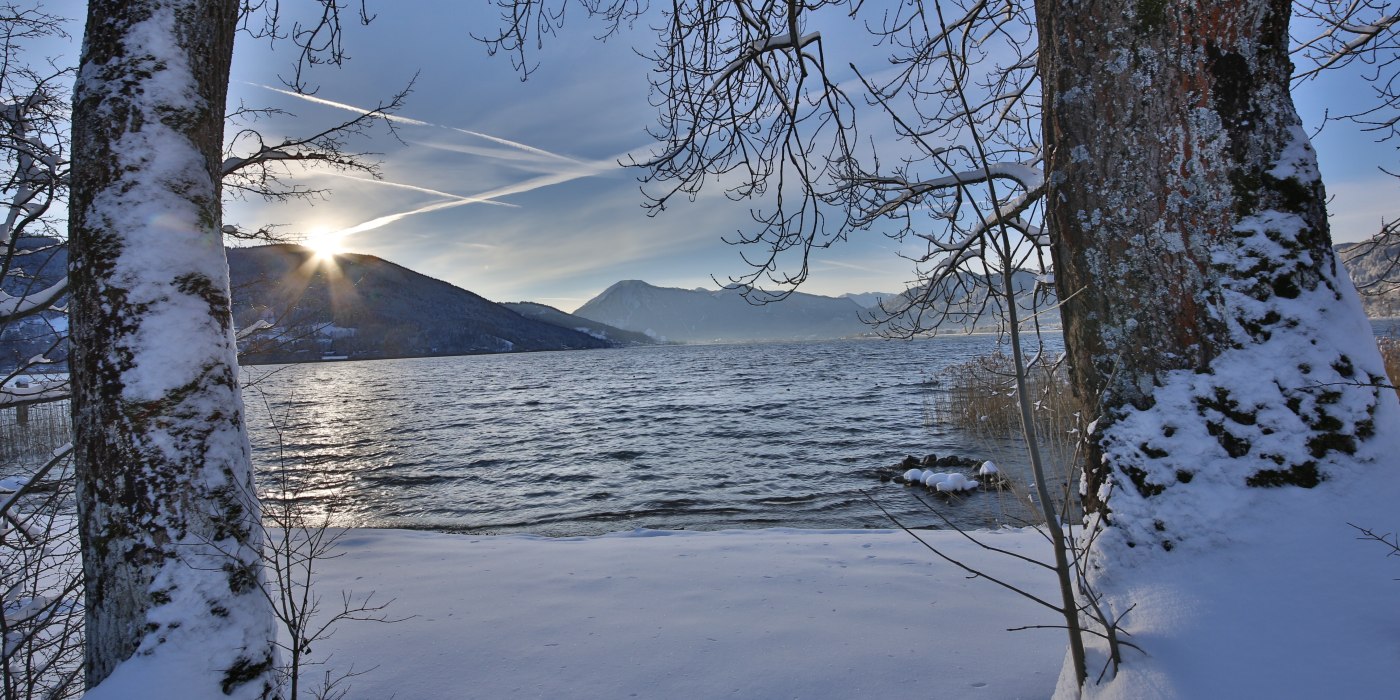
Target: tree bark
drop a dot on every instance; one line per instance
(1191, 234)
(167, 510)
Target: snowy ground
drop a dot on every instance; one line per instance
(738, 614)
(1290, 604)
(1289, 607)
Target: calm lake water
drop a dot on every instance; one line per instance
(587, 442)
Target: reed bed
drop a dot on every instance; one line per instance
(31, 433)
(40, 570)
(978, 398)
(1390, 352)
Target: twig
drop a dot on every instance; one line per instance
(975, 573)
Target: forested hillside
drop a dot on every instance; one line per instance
(1375, 269)
(360, 306)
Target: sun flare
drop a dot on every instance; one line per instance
(325, 244)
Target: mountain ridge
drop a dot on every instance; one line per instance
(703, 316)
(364, 307)
(602, 331)
(435, 319)
(1370, 263)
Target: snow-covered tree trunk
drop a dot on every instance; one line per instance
(168, 517)
(1208, 321)
(1191, 226)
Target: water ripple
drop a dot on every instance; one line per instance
(585, 442)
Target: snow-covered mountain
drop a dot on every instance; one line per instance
(1375, 269)
(703, 316)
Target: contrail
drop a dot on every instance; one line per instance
(419, 122)
(521, 160)
(851, 266)
(535, 183)
(523, 186)
(391, 218)
(416, 188)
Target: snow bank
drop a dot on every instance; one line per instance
(845, 614)
(1294, 606)
(1228, 546)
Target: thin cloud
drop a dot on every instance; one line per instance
(850, 266)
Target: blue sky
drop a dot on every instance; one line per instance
(568, 222)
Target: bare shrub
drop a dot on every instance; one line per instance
(297, 540)
(41, 576)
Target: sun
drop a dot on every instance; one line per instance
(325, 244)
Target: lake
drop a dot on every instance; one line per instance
(587, 442)
(594, 441)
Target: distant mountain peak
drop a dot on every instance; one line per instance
(721, 315)
(602, 331)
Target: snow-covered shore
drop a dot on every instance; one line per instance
(1291, 607)
(738, 614)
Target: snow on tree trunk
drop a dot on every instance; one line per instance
(168, 517)
(1189, 211)
(1208, 322)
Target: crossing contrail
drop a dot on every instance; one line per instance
(568, 168)
(587, 169)
(419, 122)
(416, 188)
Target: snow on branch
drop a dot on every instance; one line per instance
(233, 164)
(1024, 174)
(964, 248)
(259, 325)
(1027, 175)
(34, 392)
(1328, 49)
(759, 46)
(16, 307)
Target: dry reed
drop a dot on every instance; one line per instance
(31, 433)
(1390, 352)
(978, 397)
